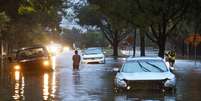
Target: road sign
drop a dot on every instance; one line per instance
(193, 39)
(130, 39)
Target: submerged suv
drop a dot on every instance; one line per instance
(33, 58)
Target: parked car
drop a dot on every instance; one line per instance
(93, 55)
(33, 58)
(145, 73)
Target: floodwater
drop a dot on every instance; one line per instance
(93, 82)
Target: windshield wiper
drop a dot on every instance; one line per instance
(145, 69)
(155, 66)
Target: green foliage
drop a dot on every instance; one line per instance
(104, 14)
(3, 20)
(94, 39)
(83, 39)
(25, 9)
(29, 20)
(158, 19)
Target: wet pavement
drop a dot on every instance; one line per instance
(93, 82)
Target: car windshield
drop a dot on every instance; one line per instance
(31, 53)
(92, 51)
(144, 66)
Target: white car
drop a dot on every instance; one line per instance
(93, 56)
(145, 73)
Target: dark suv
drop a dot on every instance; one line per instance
(33, 58)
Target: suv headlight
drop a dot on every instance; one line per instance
(17, 67)
(46, 63)
(121, 83)
(99, 57)
(170, 82)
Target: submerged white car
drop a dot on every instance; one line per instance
(145, 73)
(93, 55)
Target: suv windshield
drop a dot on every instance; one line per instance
(92, 51)
(31, 53)
(144, 66)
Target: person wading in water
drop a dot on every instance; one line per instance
(76, 60)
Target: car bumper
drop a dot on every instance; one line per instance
(93, 60)
(145, 84)
(34, 65)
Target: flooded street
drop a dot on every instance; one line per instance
(93, 82)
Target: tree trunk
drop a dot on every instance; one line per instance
(183, 48)
(161, 46)
(115, 49)
(142, 43)
(134, 43)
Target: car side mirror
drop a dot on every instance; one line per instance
(104, 52)
(116, 69)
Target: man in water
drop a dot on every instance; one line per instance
(76, 60)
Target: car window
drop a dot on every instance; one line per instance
(30, 53)
(92, 51)
(144, 66)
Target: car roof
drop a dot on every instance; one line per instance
(143, 58)
(31, 47)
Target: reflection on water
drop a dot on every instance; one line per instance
(145, 96)
(53, 85)
(76, 77)
(45, 86)
(19, 86)
(34, 86)
(49, 86)
(53, 62)
(17, 76)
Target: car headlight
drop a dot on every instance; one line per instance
(66, 48)
(17, 67)
(99, 57)
(46, 63)
(170, 82)
(121, 83)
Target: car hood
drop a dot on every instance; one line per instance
(147, 76)
(92, 55)
(33, 59)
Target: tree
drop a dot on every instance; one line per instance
(161, 18)
(98, 15)
(158, 19)
(3, 20)
(30, 19)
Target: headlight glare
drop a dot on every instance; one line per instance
(46, 63)
(17, 67)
